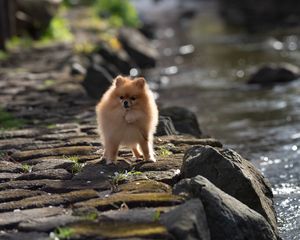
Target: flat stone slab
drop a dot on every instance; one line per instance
(48, 200)
(56, 186)
(46, 224)
(17, 194)
(117, 230)
(46, 174)
(11, 219)
(7, 166)
(52, 163)
(24, 236)
(61, 151)
(9, 176)
(114, 201)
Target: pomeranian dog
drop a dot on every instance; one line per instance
(127, 115)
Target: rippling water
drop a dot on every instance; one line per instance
(261, 124)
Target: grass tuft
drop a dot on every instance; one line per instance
(8, 122)
(26, 168)
(62, 233)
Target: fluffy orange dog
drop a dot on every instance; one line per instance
(127, 115)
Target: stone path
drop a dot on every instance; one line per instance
(52, 182)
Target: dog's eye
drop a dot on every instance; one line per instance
(121, 97)
(132, 98)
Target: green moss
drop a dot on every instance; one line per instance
(18, 42)
(63, 233)
(111, 229)
(91, 216)
(51, 126)
(164, 152)
(77, 166)
(58, 30)
(49, 82)
(132, 200)
(3, 55)
(122, 176)
(26, 168)
(7, 121)
(119, 12)
(143, 186)
(156, 216)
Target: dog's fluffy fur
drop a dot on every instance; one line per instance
(127, 115)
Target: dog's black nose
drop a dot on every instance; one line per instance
(125, 103)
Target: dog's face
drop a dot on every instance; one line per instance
(130, 93)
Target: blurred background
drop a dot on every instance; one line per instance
(234, 63)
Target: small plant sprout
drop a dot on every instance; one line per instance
(91, 216)
(156, 216)
(164, 152)
(77, 166)
(119, 177)
(62, 233)
(26, 168)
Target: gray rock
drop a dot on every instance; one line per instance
(17, 194)
(259, 16)
(138, 47)
(36, 16)
(24, 236)
(133, 215)
(47, 224)
(77, 69)
(9, 176)
(234, 175)
(6, 166)
(187, 221)
(49, 200)
(119, 58)
(46, 174)
(272, 74)
(52, 163)
(169, 177)
(228, 218)
(165, 127)
(97, 81)
(183, 119)
(13, 218)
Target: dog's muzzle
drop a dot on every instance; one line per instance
(126, 104)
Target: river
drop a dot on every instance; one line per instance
(262, 124)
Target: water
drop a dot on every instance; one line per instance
(263, 125)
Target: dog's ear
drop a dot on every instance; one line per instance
(140, 82)
(119, 81)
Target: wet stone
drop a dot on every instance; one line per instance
(162, 164)
(27, 133)
(46, 174)
(8, 176)
(132, 200)
(6, 166)
(48, 200)
(52, 163)
(133, 215)
(11, 219)
(61, 151)
(16, 143)
(24, 236)
(118, 229)
(144, 186)
(47, 224)
(169, 177)
(56, 186)
(17, 194)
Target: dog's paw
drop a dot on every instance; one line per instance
(107, 161)
(129, 118)
(151, 160)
